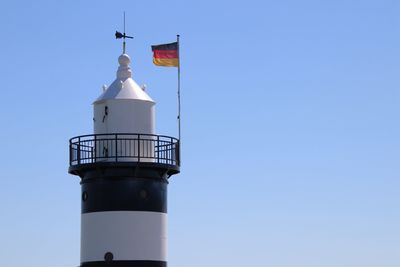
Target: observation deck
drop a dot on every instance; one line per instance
(134, 152)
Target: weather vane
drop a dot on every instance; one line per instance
(119, 35)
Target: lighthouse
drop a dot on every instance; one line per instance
(124, 167)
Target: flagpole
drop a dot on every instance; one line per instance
(179, 95)
(179, 90)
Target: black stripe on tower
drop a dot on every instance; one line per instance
(124, 264)
(124, 194)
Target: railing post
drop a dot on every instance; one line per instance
(172, 151)
(70, 152)
(138, 147)
(178, 153)
(116, 147)
(158, 149)
(95, 148)
(79, 151)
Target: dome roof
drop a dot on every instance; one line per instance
(124, 87)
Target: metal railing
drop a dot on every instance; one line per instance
(121, 147)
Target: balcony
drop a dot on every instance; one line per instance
(124, 149)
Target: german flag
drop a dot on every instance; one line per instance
(166, 55)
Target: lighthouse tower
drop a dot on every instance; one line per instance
(124, 168)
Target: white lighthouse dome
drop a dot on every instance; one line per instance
(124, 107)
(124, 87)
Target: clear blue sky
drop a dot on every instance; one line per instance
(291, 129)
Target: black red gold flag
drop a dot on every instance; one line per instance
(166, 55)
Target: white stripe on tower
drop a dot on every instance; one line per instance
(129, 235)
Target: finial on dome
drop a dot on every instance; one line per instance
(119, 35)
(124, 70)
(124, 60)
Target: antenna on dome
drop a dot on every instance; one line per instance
(119, 35)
